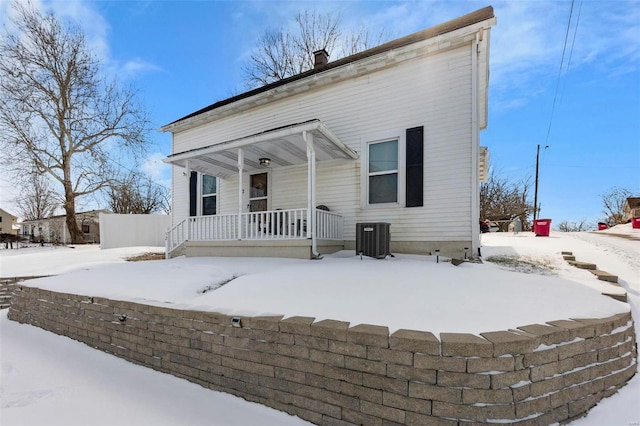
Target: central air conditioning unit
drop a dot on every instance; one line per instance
(372, 239)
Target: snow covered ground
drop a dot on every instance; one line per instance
(403, 292)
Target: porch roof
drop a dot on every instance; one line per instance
(283, 146)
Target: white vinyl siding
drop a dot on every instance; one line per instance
(430, 91)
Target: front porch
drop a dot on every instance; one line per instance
(276, 233)
(256, 227)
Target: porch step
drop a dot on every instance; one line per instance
(567, 253)
(605, 276)
(6, 288)
(5, 297)
(582, 265)
(568, 257)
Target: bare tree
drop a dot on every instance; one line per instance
(582, 225)
(38, 200)
(136, 194)
(58, 112)
(503, 200)
(283, 53)
(613, 202)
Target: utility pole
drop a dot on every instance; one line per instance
(535, 194)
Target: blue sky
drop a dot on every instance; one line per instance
(184, 55)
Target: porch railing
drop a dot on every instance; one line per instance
(329, 225)
(274, 224)
(268, 225)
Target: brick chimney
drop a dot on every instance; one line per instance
(321, 58)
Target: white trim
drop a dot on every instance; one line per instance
(240, 189)
(475, 158)
(311, 215)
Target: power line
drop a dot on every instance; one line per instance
(573, 42)
(555, 96)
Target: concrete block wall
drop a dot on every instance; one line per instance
(331, 373)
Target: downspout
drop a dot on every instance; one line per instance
(311, 192)
(240, 201)
(475, 195)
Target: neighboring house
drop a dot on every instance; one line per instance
(8, 223)
(54, 228)
(388, 135)
(631, 208)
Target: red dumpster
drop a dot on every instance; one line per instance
(541, 227)
(602, 226)
(635, 223)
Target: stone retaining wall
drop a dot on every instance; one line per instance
(329, 373)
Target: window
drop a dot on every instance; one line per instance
(383, 172)
(203, 194)
(86, 229)
(209, 195)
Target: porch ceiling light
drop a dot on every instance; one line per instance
(264, 162)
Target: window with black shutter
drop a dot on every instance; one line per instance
(414, 167)
(203, 194)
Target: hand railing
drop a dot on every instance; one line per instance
(273, 224)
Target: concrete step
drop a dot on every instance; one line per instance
(568, 253)
(621, 297)
(604, 276)
(582, 265)
(568, 257)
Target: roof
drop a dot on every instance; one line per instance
(64, 215)
(7, 213)
(283, 146)
(633, 202)
(446, 27)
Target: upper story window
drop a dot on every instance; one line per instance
(383, 172)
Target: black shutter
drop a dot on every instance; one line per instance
(193, 194)
(415, 167)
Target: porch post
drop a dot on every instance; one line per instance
(188, 221)
(240, 173)
(311, 191)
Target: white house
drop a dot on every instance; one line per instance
(387, 135)
(54, 229)
(8, 223)
(631, 208)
